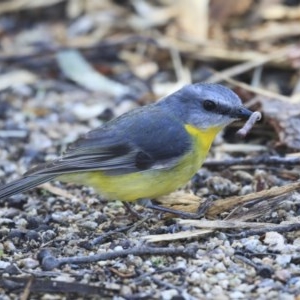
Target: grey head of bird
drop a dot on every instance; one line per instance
(206, 105)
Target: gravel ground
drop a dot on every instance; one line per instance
(45, 231)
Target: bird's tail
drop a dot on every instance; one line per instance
(23, 184)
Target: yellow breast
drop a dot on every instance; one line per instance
(151, 183)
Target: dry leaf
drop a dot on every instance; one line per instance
(221, 11)
(192, 18)
(75, 67)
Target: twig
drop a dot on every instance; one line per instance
(256, 90)
(166, 284)
(55, 286)
(101, 238)
(227, 204)
(256, 209)
(189, 234)
(139, 296)
(210, 52)
(27, 289)
(264, 271)
(224, 224)
(260, 231)
(49, 262)
(260, 160)
(139, 280)
(246, 66)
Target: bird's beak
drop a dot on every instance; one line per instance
(241, 113)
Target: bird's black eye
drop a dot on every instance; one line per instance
(209, 105)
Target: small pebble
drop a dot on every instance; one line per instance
(196, 291)
(118, 248)
(4, 264)
(234, 281)
(29, 263)
(196, 278)
(89, 225)
(9, 246)
(64, 277)
(84, 112)
(126, 290)
(181, 264)
(244, 176)
(222, 186)
(246, 189)
(219, 267)
(48, 235)
(296, 242)
(237, 295)
(283, 260)
(252, 244)
(275, 241)
(282, 275)
(169, 294)
(217, 290)
(221, 276)
(266, 284)
(286, 296)
(62, 216)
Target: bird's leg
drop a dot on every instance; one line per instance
(132, 211)
(201, 211)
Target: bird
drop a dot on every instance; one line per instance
(145, 153)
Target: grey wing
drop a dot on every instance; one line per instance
(143, 140)
(117, 157)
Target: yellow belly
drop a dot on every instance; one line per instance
(149, 183)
